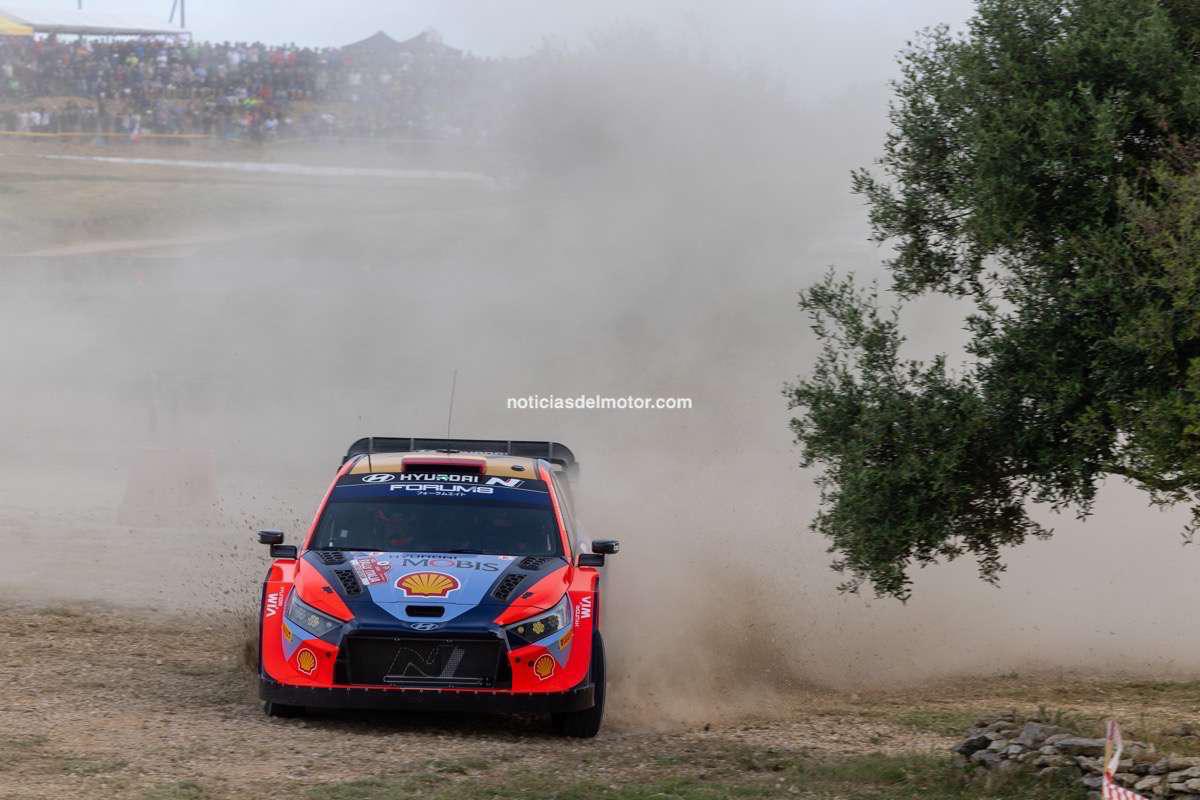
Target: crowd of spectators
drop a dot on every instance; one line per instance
(232, 90)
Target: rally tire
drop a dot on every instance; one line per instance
(282, 710)
(586, 723)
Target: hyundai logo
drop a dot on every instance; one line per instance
(424, 626)
(378, 477)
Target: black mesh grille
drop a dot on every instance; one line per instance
(533, 563)
(331, 556)
(507, 586)
(349, 581)
(419, 662)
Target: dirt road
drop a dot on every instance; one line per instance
(104, 703)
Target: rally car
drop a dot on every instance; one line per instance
(439, 574)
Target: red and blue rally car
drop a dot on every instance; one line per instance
(439, 574)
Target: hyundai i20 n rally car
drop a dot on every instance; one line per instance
(439, 574)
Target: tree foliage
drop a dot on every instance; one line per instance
(1042, 166)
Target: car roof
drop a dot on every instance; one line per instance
(499, 466)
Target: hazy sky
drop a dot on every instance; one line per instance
(841, 41)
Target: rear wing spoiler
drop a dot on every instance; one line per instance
(554, 452)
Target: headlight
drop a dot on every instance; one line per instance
(308, 617)
(539, 627)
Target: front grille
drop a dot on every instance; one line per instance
(349, 581)
(507, 586)
(533, 563)
(421, 662)
(331, 556)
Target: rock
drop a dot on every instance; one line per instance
(1141, 754)
(1034, 733)
(1161, 767)
(998, 725)
(999, 745)
(1089, 764)
(1193, 785)
(988, 758)
(1057, 737)
(1091, 781)
(1146, 784)
(1013, 750)
(1049, 750)
(1056, 761)
(1125, 778)
(1079, 746)
(1179, 776)
(1050, 772)
(1140, 769)
(1183, 762)
(971, 744)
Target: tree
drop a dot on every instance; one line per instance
(1041, 166)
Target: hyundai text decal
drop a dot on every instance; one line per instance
(444, 477)
(438, 477)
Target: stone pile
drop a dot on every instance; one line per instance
(1005, 743)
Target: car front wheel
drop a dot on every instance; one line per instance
(586, 723)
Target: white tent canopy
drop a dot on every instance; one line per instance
(88, 23)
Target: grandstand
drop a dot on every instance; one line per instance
(78, 75)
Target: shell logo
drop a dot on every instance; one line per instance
(543, 667)
(306, 661)
(427, 584)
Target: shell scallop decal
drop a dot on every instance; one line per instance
(427, 584)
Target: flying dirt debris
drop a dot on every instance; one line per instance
(188, 348)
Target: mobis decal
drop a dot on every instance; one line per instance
(427, 584)
(370, 570)
(274, 601)
(448, 563)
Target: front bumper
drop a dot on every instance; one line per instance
(480, 701)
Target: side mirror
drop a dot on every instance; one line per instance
(270, 537)
(284, 551)
(590, 560)
(606, 547)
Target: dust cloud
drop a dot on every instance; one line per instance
(651, 217)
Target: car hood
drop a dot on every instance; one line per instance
(463, 586)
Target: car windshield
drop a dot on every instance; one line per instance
(438, 526)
